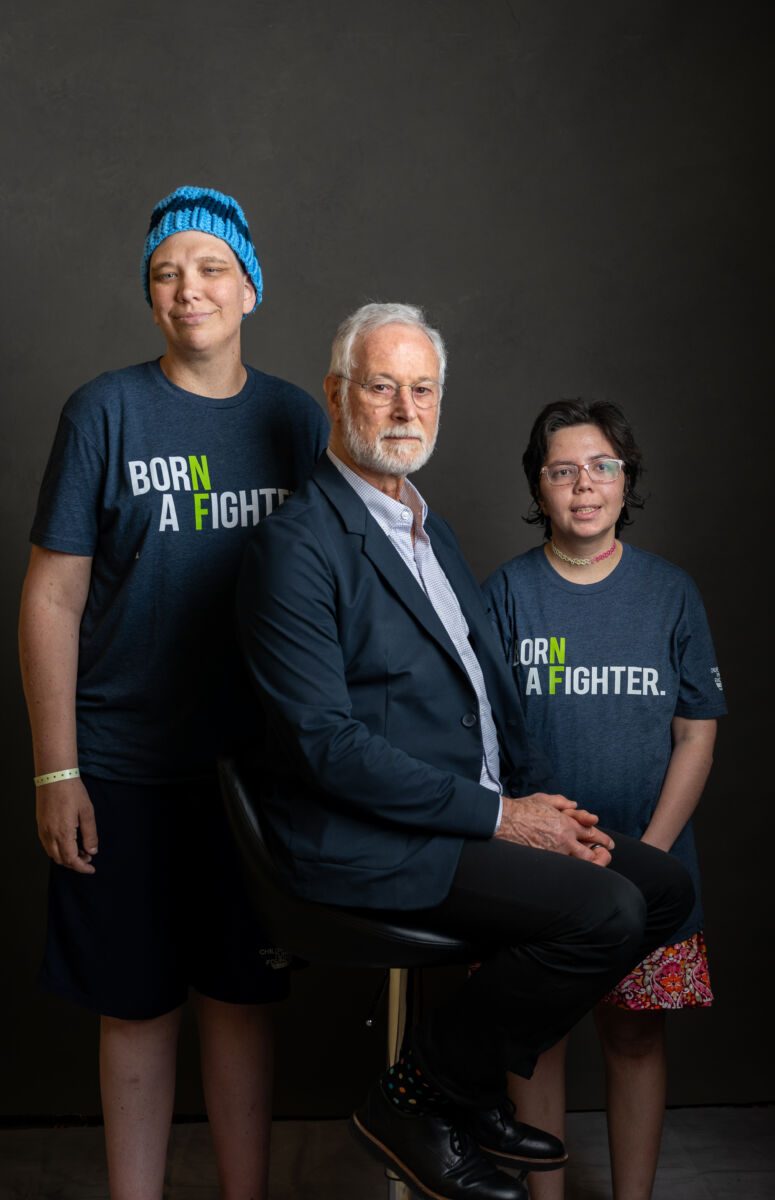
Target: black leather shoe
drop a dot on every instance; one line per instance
(430, 1154)
(510, 1142)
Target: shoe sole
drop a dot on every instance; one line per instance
(388, 1158)
(521, 1163)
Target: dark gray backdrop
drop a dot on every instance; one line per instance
(575, 192)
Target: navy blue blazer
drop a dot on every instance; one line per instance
(374, 751)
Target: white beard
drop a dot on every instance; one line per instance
(392, 459)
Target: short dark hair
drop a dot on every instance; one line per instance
(563, 414)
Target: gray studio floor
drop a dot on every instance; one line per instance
(707, 1154)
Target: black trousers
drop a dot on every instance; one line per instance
(557, 933)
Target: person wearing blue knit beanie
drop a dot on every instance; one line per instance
(135, 687)
(204, 232)
(210, 212)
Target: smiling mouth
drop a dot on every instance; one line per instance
(589, 508)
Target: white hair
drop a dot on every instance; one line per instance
(373, 316)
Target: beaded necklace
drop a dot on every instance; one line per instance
(583, 562)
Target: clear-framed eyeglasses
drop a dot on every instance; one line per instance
(600, 470)
(382, 390)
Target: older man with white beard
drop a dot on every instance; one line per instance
(386, 430)
(401, 774)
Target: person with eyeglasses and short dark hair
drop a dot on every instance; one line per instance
(617, 676)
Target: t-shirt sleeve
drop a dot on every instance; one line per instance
(321, 431)
(500, 610)
(306, 432)
(67, 515)
(700, 691)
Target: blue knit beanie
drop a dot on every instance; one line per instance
(211, 212)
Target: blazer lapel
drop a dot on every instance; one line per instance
(385, 558)
(500, 685)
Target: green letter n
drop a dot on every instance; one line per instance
(199, 472)
(557, 650)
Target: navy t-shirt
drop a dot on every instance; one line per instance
(602, 669)
(162, 487)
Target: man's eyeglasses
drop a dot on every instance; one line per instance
(600, 470)
(381, 391)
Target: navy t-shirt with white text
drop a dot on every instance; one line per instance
(602, 669)
(162, 487)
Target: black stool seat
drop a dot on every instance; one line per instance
(326, 933)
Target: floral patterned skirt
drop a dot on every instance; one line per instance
(670, 977)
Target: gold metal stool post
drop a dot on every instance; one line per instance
(397, 1010)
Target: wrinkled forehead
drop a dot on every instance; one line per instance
(191, 244)
(399, 351)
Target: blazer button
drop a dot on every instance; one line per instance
(469, 720)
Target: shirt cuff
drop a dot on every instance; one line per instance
(500, 815)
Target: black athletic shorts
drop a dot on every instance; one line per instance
(165, 909)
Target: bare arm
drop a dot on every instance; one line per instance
(687, 773)
(53, 600)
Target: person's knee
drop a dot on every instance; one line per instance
(628, 1034)
(663, 880)
(617, 918)
(601, 934)
(677, 898)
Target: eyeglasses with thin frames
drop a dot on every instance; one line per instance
(381, 391)
(599, 470)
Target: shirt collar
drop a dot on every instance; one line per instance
(387, 512)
